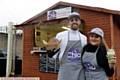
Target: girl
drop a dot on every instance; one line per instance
(94, 58)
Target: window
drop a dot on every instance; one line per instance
(48, 64)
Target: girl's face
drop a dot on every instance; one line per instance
(94, 39)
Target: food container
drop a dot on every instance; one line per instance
(111, 55)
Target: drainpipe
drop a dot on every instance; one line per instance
(9, 49)
(112, 31)
(13, 50)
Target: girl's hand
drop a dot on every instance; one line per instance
(112, 62)
(111, 56)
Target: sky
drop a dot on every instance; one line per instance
(18, 11)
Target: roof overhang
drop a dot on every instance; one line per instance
(72, 5)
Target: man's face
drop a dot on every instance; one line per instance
(74, 23)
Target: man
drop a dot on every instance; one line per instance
(71, 44)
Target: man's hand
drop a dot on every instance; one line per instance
(52, 44)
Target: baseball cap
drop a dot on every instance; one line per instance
(74, 14)
(97, 31)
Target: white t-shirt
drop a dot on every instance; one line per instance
(73, 35)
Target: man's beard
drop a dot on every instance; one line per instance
(74, 29)
(74, 26)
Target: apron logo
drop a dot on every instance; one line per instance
(88, 66)
(73, 55)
